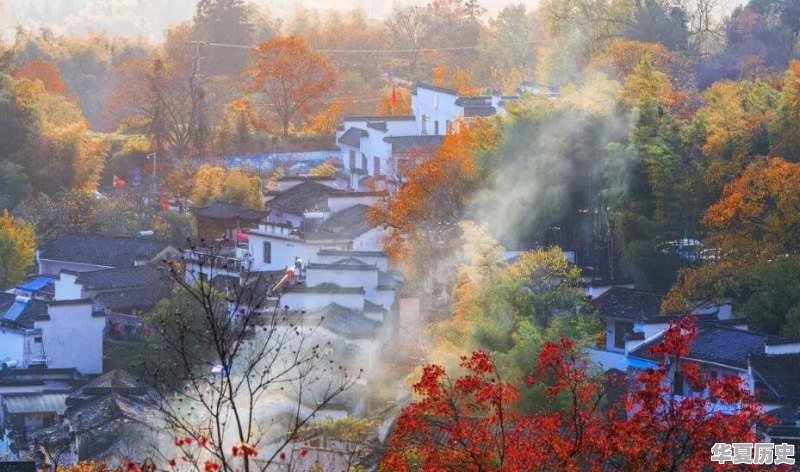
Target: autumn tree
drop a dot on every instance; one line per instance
(754, 223)
(47, 72)
(423, 214)
(292, 77)
(17, 249)
(211, 183)
(509, 309)
(469, 421)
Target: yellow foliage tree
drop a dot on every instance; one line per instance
(211, 183)
(17, 250)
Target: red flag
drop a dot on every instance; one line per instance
(394, 97)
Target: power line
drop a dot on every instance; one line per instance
(381, 51)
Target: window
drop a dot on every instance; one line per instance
(436, 127)
(448, 127)
(621, 328)
(424, 124)
(267, 252)
(376, 165)
(37, 339)
(352, 159)
(364, 163)
(677, 384)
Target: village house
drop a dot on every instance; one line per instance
(382, 149)
(724, 346)
(83, 252)
(108, 418)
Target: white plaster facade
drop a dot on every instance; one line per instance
(72, 336)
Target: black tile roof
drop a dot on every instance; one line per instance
(723, 345)
(434, 88)
(102, 250)
(479, 111)
(328, 288)
(125, 277)
(378, 125)
(352, 137)
(301, 198)
(370, 307)
(337, 252)
(343, 225)
(781, 373)
(344, 321)
(226, 211)
(140, 298)
(474, 101)
(403, 144)
(337, 266)
(628, 303)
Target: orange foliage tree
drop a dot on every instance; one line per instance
(46, 71)
(292, 76)
(756, 220)
(459, 80)
(423, 214)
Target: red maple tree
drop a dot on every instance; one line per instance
(469, 423)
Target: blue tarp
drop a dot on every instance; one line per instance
(36, 284)
(640, 363)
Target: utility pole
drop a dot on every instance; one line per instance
(155, 176)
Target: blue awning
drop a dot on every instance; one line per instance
(34, 285)
(640, 363)
(16, 310)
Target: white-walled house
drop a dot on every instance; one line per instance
(379, 147)
(58, 334)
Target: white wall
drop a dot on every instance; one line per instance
(384, 298)
(343, 277)
(12, 345)
(372, 240)
(283, 252)
(73, 337)
(438, 106)
(67, 287)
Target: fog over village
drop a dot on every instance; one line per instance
(444, 235)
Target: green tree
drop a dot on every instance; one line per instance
(511, 309)
(226, 22)
(17, 250)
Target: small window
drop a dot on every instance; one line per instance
(352, 159)
(267, 252)
(677, 386)
(436, 127)
(425, 124)
(37, 339)
(376, 165)
(364, 163)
